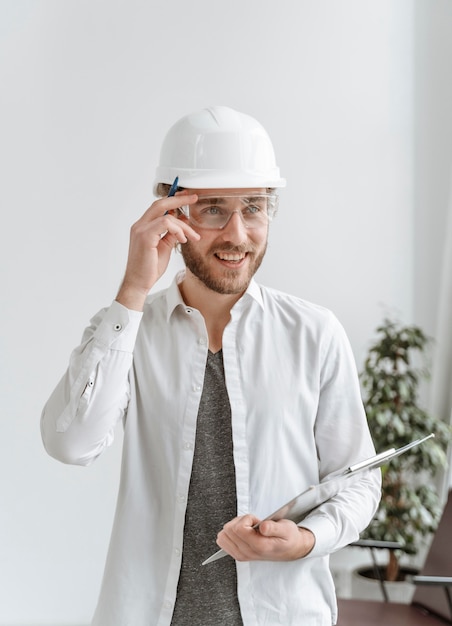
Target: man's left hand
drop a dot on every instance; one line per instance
(274, 541)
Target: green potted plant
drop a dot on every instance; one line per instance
(394, 369)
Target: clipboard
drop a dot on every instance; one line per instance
(315, 495)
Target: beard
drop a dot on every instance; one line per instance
(224, 281)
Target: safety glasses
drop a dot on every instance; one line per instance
(214, 212)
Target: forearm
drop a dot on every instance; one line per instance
(80, 417)
(131, 297)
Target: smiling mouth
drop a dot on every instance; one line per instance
(230, 257)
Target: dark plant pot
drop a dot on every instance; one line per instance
(366, 586)
(369, 572)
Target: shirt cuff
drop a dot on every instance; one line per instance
(119, 327)
(324, 533)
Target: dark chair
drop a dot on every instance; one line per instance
(432, 600)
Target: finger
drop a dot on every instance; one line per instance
(241, 523)
(160, 214)
(164, 205)
(248, 520)
(150, 232)
(240, 550)
(180, 229)
(238, 537)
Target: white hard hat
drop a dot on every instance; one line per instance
(218, 147)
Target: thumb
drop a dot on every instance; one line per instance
(269, 529)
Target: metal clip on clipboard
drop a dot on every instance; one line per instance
(299, 507)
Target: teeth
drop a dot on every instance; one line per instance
(231, 257)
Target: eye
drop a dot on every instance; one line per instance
(212, 210)
(253, 209)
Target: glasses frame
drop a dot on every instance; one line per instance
(272, 208)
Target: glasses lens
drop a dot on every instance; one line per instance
(215, 212)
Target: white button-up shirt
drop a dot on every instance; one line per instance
(297, 416)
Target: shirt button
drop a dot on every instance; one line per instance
(117, 327)
(177, 551)
(202, 341)
(168, 605)
(196, 387)
(181, 497)
(188, 446)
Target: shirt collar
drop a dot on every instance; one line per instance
(174, 297)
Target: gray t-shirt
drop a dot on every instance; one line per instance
(207, 595)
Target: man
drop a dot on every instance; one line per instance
(234, 399)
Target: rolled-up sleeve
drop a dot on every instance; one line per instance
(79, 419)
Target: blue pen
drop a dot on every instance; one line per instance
(172, 190)
(173, 187)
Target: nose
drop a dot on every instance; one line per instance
(235, 230)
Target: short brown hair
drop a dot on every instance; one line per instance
(162, 189)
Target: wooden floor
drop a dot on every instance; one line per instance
(368, 613)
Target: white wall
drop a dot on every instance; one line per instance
(88, 90)
(433, 153)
